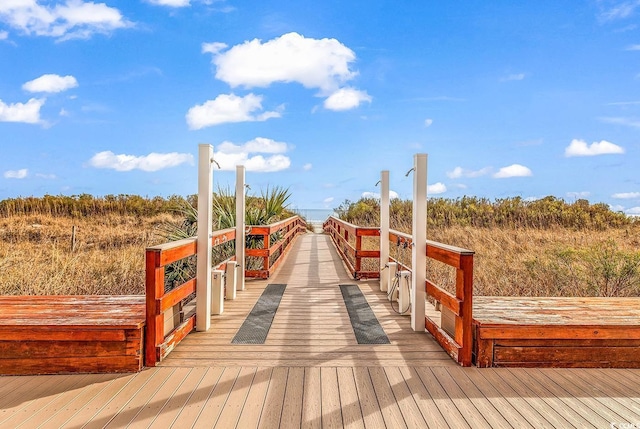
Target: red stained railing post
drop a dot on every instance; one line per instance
(265, 246)
(154, 285)
(464, 292)
(358, 262)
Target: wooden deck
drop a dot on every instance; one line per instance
(557, 332)
(63, 334)
(311, 373)
(311, 326)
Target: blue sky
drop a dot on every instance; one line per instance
(508, 98)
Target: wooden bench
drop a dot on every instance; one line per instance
(71, 334)
(557, 332)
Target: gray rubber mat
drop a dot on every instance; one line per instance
(256, 326)
(364, 321)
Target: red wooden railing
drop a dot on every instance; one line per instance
(158, 343)
(460, 344)
(347, 238)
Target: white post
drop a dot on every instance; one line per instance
(419, 248)
(205, 218)
(391, 275)
(384, 228)
(230, 280)
(240, 226)
(217, 292)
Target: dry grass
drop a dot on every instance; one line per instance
(543, 262)
(36, 256)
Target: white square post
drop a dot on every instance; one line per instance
(419, 248)
(217, 292)
(230, 280)
(240, 226)
(205, 218)
(384, 228)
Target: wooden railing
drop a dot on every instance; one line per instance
(347, 238)
(458, 343)
(163, 332)
(276, 240)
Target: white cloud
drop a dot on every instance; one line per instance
(16, 174)
(152, 162)
(213, 48)
(626, 195)
(4, 35)
(632, 48)
(63, 112)
(170, 3)
(376, 195)
(578, 195)
(514, 170)
(616, 208)
(580, 148)
(50, 83)
(229, 155)
(629, 122)
(73, 19)
(459, 172)
(633, 211)
(307, 167)
(515, 76)
(227, 108)
(428, 122)
(328, 200)
(346, 99)
(619, 10)
(46, 176)
(436, 188)
(28, 112)
(532, 199)
(314, 63)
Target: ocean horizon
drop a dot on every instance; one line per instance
(314, 215)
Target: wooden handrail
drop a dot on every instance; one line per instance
(459, 345)
(157, 344)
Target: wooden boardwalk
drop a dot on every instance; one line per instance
(312, 373)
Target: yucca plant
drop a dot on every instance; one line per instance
(269, 207)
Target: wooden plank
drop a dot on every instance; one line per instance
(349, 401)
(609, 392)
(215, 402)
(237, 399)
(201, 394)
(49, 407)
(312, 403)
(441, 398)
(537, 405)
(388, 404)
(250, 416)
(272, 409)
(57, 365)
(156, 401)
(467, 388)
(174, 405)
(292, 405)
(562, 410)
(371, 409)
(175, 296)
(472, 381)
(135, 403)
(116, 404)
(174, 338)
(556, 332)
(405, 400)
(426, 404)
(96, 402)
(448, 300)
(43, 349)
(460, 399)
(556, 355)
(331, 412)
(608, 409)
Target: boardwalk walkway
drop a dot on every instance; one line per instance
(311, 373)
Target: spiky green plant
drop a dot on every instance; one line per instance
(269, 207)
